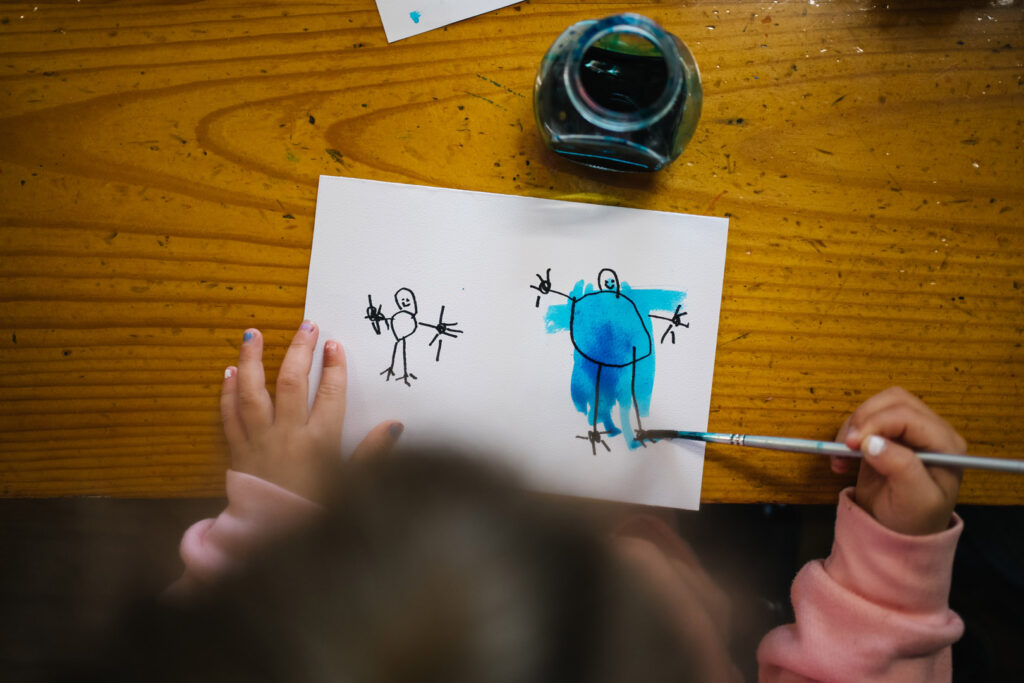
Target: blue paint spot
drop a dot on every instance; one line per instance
(607, 330)
(415, 16)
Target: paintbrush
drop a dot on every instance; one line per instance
(781, 443)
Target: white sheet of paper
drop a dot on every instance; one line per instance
(501, 386)
(404, 18)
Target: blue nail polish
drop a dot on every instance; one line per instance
(247, 336)
(306, 326)
(396, 430)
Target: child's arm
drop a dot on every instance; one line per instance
(877, 608)
(283, 456)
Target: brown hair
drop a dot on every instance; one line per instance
(426, 568)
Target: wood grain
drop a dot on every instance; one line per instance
(158, 170)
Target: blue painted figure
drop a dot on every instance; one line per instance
(614, 353)
(403, 324)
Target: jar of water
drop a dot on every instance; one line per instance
(618, 93)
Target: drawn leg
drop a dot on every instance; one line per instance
(594, 435)
(406, 375)
(389, 371)
(640, 434)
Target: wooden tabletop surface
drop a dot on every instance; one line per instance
(158, 174)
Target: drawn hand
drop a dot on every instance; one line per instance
(375, 315)
(544, 287)
(893, 484)
(675, 321)
(677, 318)
(288, 444)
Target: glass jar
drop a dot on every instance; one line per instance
(618, 93)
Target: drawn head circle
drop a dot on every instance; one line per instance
(405, 300)
(607, 280)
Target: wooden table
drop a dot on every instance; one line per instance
(158, 173)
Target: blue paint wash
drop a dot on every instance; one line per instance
(415, 16)
(608, 330)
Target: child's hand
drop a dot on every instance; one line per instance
(893, 484)
(289, 444)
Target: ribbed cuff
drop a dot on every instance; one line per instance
(908, 573)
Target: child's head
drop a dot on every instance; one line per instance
(425, 569)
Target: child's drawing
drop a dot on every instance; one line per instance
(614, 355)
(403, 324)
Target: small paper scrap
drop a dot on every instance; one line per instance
(404, 18)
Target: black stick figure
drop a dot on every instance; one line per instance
(403, 324)
(608, 330)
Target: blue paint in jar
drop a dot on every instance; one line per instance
(618, 93)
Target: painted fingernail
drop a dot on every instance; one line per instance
(249, 334)
(876, 445)
(395, 430)
(229, 373)
(306, 326)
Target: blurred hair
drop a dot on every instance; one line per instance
(426, 568)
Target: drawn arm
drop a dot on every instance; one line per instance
(376, 316)
(676, 320)
(544, 287)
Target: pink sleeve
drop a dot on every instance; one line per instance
(257, 512)
(875, 610)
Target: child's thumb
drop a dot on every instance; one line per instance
(379, 441)
(892, 460)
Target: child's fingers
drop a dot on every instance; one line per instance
(379, 441)
(255, 408)
(328, 411)
(919, 499)
(292, 396)
(843, 429)
(915, 426)
(883, 401)
(841, 465)
(896, 463)
(230, 419)
(900, 464)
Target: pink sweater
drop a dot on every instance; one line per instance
(874, 610)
